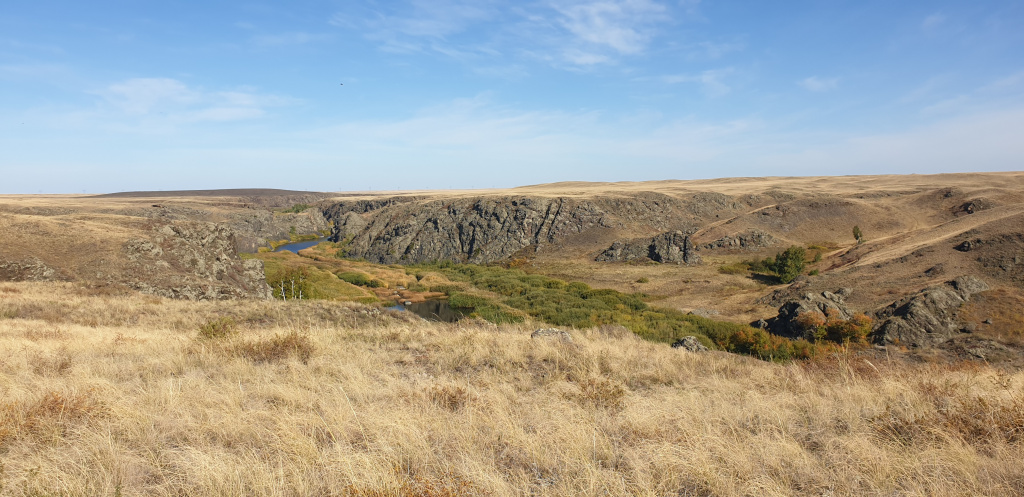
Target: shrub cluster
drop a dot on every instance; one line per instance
(833, 329)
(360, 279)
(577, 305)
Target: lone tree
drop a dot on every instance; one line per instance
(858, 234)
(787, 265)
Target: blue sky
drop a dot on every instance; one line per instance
(107, 96)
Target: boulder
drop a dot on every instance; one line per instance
(551, 334)
(668, 247)
(820, 306)
(752, 239)
(928, 317)
(690, 343)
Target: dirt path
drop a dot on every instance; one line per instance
(906, 243)
(716, 224)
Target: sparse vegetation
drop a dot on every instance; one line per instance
(577, 305)
(858, 235)
(360, 279)
(217, 328)
(787, 265)
(321, 398)
(735, 268)
(296, 209)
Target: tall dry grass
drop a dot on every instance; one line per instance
(113, 394)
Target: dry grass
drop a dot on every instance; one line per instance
(119, 395)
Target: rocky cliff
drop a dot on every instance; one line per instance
(491, 228)
(192, 260)
(669, 247)
(471, 230)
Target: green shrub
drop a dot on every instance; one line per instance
(360, 279)
(217, 328)
(297, 208)
(787, 265)
(575, 304)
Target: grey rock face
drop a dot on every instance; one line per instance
(690, 343)
(491, 228)
(195, 261)
(463, 230)
(819, 305)
(27, 270)
(929, 317)
(674, 246)
(751, 240)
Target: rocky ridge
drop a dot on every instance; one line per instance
(487, 229)
(193, 260)
(928, 317)
(668, 247)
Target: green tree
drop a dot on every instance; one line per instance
(858, 234)
(789, 264)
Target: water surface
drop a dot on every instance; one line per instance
(297, 246)
(432, 310)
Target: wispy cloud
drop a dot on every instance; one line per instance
(563, 33)
(711, 81)
(933, 21)
(713, 50)
(1002, 92)
(173, 101)
(819, 84)
(295, 38)
(625, 26)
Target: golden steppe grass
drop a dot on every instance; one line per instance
(109, 393)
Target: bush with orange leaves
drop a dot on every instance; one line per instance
(832, 328)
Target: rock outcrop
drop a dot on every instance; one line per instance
(750, 240)
(462, 230)
(31, 269)
(690, 344)
(193, 260)
(929, 317)
(669, 247)
(492, 228)
(813, 306)
(678, 247)
(551, 334)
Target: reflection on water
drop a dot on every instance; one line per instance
(432, 310)
(297, 246)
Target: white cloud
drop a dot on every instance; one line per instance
(625, 26)
(711, 81)
(564, 33)
(142, 95)
(581, 58)
(174, 101)
(420, 18)
(816, 84)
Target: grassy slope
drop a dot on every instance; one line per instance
(116, 395)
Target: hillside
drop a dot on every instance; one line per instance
(109, 393)
(146, 347)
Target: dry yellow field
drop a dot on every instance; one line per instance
(106, 393)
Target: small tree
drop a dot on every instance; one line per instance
(858, 234)
(789, 264)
